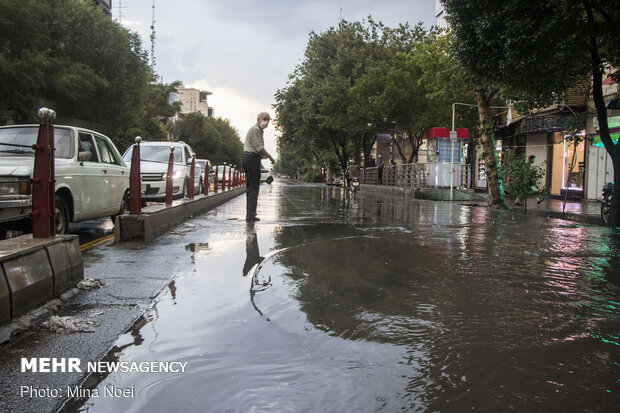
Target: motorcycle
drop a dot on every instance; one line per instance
(608, 189)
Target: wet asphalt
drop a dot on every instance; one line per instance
(324, 305)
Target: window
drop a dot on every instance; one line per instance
(86, 147)
(444, 148)
(107, 154)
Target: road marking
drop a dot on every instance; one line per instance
(96, 242)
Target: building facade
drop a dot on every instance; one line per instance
(105, 5)
(195, 100)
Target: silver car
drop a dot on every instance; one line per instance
(154, 158)
(92, 181)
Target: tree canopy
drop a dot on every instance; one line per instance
(360, 78)
(214, 139)
(535, 51)
(68, 55)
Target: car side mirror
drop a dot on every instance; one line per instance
(84, 157)
(189, 161)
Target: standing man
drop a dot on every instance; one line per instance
(253, 152)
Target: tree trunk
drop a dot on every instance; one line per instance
(601, 113)
(489, 153)
(415, 142)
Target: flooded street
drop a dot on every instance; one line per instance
(339, 302)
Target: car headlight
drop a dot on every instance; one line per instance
(175, 175)
(15, 186)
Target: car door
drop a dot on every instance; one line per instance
(90, 195)
(115, 175)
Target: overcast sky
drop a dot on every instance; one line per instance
(243, 51)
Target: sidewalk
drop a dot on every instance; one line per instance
(586, 211)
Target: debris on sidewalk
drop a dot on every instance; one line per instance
(90, 284)
(68, 324)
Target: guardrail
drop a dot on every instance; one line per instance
(412, 175)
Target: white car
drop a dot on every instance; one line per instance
(266, 175)
(154, 168)
(92, 181)
(223, 173)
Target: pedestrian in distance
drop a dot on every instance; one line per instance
(253, 152)
(353, 171)
(380, 165)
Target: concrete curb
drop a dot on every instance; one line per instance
(409, 192)
(156, 220)
(569, 216)
(34, 271)
(433, 194)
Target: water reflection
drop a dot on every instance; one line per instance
(379, 304)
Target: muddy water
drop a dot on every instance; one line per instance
(336, 303)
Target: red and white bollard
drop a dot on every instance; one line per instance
(44, 179)
(192, 171)
(135, 181)
(217, 169)
(169, 177)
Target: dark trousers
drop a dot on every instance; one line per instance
(251, 165)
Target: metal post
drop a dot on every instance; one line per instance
(192, 171)
(217, 169)
(205, 184)
(169, 177)
(44, 179)
(135, 181)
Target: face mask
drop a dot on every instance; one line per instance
(263, 124)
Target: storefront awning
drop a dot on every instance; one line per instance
(614, 131)
(461, 133)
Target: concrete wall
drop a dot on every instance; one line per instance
(155, 221)
(34, 271)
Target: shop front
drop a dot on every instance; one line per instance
(568, 166)
(600, 167)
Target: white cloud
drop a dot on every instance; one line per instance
(243, 52)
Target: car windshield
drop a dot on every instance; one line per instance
(155, 153)
(19, 141)
(203, 164)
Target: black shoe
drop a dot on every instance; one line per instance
(540, 200)
(252, 219)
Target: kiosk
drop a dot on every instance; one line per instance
(444, 155)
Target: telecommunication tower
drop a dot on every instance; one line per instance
(153, 39)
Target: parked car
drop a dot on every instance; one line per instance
(92, 181)
(154, 168)
(266, 175)
(223, 172)
(206, 168)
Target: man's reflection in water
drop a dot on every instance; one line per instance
(251, 250)
(253, 259)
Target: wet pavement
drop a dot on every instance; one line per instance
(351, 302)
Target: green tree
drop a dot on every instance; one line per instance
(211, 138)
(68, 55)
(522, 176)
(537, 50)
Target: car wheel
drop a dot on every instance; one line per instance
(185, 189)
(61, 216)
(201, 190)
(124, 207)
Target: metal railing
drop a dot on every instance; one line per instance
(412, 175)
